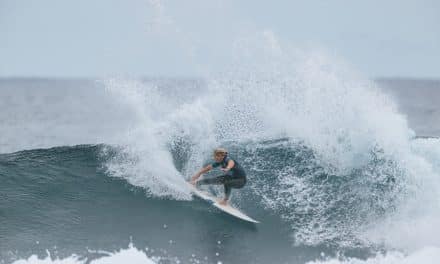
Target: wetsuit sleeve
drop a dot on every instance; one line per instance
(226, 160)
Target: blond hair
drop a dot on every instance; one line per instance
(220, 151)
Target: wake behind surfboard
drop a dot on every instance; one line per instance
(225, 208)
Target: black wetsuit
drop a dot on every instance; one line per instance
(235, 178)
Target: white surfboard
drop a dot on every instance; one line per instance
(225, 208)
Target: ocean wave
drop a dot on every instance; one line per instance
(371, 205)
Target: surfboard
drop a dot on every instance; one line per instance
(225, 208)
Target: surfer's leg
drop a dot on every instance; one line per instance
(233, 181)
(216, 180)
(228, 190)
(236, 181)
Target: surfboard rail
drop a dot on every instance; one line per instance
(225, 208)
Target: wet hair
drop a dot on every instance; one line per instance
(220, 151)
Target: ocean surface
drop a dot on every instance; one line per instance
(340, 170)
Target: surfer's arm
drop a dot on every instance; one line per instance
(230, 165)
(200, 172)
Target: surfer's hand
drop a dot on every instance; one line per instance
(193, 182)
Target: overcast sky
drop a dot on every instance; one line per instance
(91, 38)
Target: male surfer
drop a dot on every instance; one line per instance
(233, 177)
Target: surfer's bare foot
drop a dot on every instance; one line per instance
(223, 202)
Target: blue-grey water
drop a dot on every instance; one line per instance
(91, 168)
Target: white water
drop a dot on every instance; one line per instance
(428, 255)
(315, 99)
(129, 255)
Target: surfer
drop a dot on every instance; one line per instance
(233, 177)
